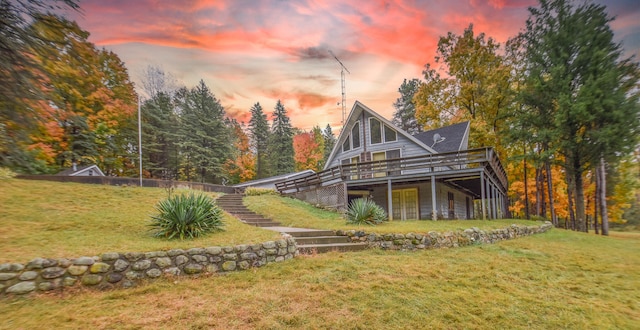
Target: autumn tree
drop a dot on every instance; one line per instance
(476, 88)
(90, 100)
(405, 114)
(21, 77)
(259, 130)
(307, 152)
(281, 142)
(241, 167)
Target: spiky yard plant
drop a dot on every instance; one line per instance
(363, 211)
(186, 216)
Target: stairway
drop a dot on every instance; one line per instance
(309, 241)
(320, 241)
(232, 203)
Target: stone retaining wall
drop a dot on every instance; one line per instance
(123, 269)
(435, 240)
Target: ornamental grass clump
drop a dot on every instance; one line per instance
(363, 211)
(186, 216)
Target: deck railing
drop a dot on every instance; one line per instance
(432, 163)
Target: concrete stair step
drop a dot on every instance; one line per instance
(322, 240)
(263, 224)
(339, 247)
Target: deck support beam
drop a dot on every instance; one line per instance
(482, 196)
(390, 200)
(434, 211)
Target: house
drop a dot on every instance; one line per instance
(430, 175)
(86, 170)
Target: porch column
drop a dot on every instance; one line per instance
(488, 201)
(495, 202)
(482, 196)
(390, 200)
(434, 212)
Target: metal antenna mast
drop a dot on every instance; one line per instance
(344, 94)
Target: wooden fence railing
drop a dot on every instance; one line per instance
(123, 181)
(441, 162)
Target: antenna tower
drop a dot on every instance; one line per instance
(342, 80)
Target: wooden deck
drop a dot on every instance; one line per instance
(442, 164)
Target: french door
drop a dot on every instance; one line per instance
(405, 204)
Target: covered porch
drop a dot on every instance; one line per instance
(476, 174)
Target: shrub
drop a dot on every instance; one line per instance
(186, 216)
(6, 173)
(365, 211)
(252, 191)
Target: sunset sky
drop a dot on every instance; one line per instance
(262, 51)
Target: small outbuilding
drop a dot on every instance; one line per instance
(85, 170)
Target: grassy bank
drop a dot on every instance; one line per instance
(52, 220)
(555, 280)
(294, 213)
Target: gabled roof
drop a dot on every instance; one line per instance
(452, 137)
(354, 115)
(81, 169)
(273, 179)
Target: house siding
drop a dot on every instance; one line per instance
(379, 196)
(407, 147)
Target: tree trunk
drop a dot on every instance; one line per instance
(603, 198)
(580, 218)
(570, 189)
(596, 200)
(526, 190)
(538, 196)
(554, 218)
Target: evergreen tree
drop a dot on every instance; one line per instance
(207, 141)
(281, 147)
(589, 91)
(329, 143)
(159, 138)
(259, 129)
(405, 114)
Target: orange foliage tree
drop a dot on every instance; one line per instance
(242, 167)
(308, 153)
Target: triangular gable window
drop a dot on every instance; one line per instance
(380, 132)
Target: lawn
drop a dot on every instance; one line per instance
(295, 213)
(53, 220)
(555, 280)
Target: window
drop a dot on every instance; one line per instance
(346, 146)
(376, 135)
(380, 132)
(389, 134)
(355, 135)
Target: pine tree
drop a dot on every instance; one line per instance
(405, 114)
(589, 93)
(207, 142)
(259, 129)
(281, 146)
(329, 143)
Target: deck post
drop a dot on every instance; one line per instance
(390, 200)
(434, 211)
(482, 196)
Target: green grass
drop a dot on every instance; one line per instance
(295, 213)
(556, 280)
(54, 220)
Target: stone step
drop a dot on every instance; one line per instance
(338, 247)
(322, 240)
(311, 233)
